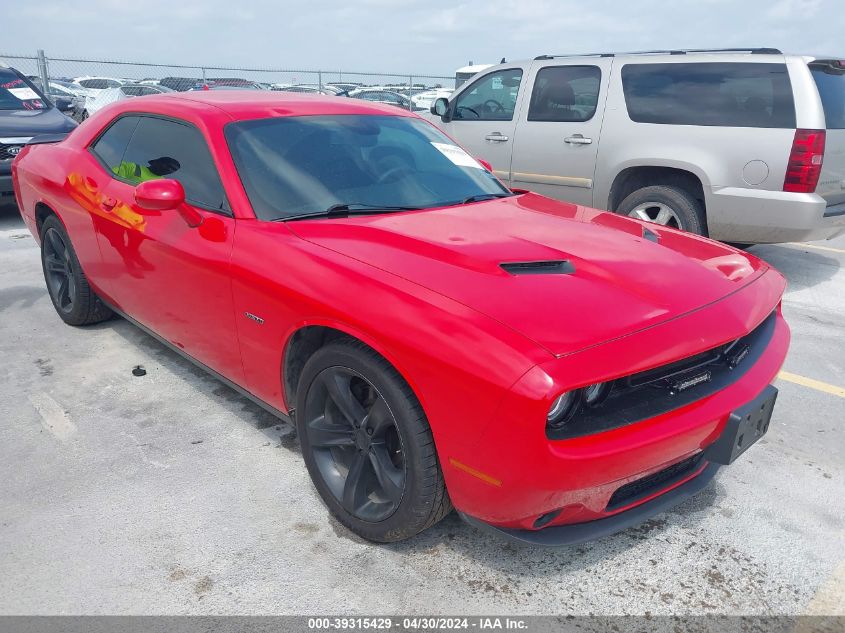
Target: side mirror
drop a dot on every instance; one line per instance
(160, 195)
(440, 107)
(485, 164)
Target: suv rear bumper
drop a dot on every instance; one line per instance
(757, 216)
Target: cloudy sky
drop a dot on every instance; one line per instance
(405, 36)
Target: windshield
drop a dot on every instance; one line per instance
(17, 94)
(295, 165)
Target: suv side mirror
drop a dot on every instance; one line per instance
(440, 107)
(159, 195)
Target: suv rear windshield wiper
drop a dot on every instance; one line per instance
(345, 209)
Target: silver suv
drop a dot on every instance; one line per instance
(745, 146)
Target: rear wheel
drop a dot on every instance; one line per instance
(74, 300)
(367, 444)
(669, 206)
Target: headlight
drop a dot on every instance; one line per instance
(596, 394)
(567, 405)
(562, 408)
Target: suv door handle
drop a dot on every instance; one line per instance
(496, 137)
(577, 139)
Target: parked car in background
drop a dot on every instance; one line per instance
(24, 114)
(307, 88)
(180, 84)
(557, 373)
(425, 99)
(233, 82)
(125, 91)
(65, 100)
(343, 86)
(381, 95)
(98, 83)
(744, 146)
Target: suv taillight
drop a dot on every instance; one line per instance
(805, 161)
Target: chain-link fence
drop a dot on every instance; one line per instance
(415, 91)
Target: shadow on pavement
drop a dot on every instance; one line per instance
(803, 268)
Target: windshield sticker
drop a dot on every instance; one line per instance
(457, 155)
(24, 94)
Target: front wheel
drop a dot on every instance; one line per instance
(669, 206)
(367, 444)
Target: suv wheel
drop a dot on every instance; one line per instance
(367, 444)
(669, 206)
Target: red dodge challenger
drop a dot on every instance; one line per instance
(554, 372)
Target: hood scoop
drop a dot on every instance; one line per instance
(650, 235)
(544, 267)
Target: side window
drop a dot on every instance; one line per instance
(111, 145)
(167, 149)
(491, 98)
(717, 93)
(565, 93)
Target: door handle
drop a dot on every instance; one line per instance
(496, 137)
(577, 139)
(108, 203)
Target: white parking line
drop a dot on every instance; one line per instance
(53, 416)
(829, 249)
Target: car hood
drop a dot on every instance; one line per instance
(622, 275)
(23, 123)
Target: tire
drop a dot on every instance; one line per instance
(345, 390)
(74, 300)
(669, 206)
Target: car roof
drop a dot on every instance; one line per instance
(252, 104)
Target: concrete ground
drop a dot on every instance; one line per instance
(171, 494)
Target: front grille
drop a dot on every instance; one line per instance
(647, 486)
(657, 391)
(6, 151)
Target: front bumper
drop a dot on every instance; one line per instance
(513, 475)
(646, 497)
(574, 534)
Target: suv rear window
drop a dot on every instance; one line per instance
(830, 81)
(717, 93)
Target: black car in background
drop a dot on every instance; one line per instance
(24, 113)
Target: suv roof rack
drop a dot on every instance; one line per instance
(679, 51)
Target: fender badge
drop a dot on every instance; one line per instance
(251, 316)
(686, 383)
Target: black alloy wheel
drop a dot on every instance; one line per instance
(355, 443)
(367, 443)
(74, 299)
(58, 271)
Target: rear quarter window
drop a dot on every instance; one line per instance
(111, 145)
(830, 82)
(714, 94)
